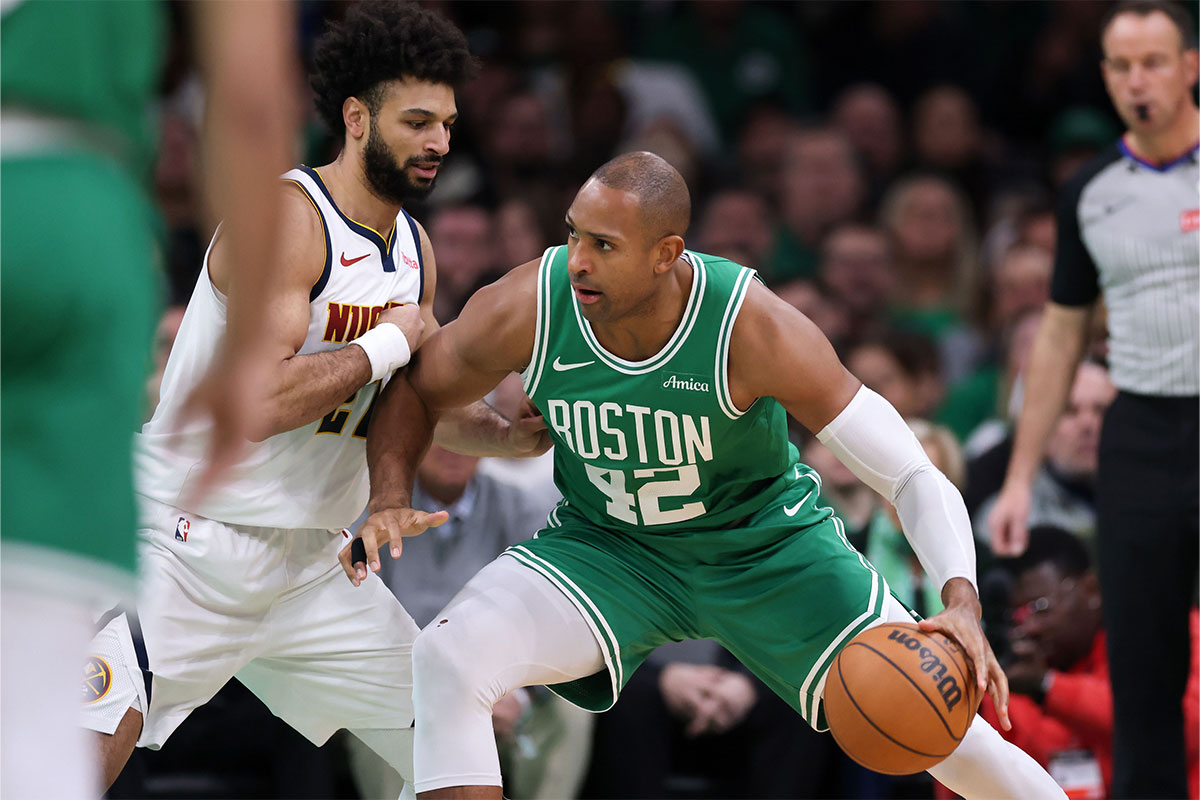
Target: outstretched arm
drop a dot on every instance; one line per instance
(1057, 351)
(476, 429)
(456, 366)
(869, 436)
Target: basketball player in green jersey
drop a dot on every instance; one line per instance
(78, 304)
(663, 376)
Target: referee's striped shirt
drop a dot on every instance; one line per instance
(1131, 229)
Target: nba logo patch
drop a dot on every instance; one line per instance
(1189, 220)
(181, 529)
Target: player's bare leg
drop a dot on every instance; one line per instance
(116, 748)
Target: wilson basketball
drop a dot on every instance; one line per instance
(899, 700)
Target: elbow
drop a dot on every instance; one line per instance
(260, 433)
(914, 470)
(264, 427)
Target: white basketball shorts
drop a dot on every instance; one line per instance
(269, 606)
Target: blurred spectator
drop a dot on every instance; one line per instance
(1036, 226)
(900, 366)
(463, 240)
(948, 138)
(1076, 136)
(668, 139)
(856, 269)
(691, 722)
(1061, 702)
(981, 408)
(522, 157)
(761, 142)
(870, 117)
(1020, 282)
(735, 224)
(602, 96)
(821, 185)
(933, 243)
(517, 234)
(1065, 485)
(1061, 66)
(1019, 285)
(811, 300)
(740, 53)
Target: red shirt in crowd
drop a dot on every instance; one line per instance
(1078, 714)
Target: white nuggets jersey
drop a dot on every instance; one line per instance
(314, 476)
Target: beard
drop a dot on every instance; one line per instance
(388, 179)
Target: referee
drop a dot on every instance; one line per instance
(1127, 229)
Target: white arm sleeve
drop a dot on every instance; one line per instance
(871, 438)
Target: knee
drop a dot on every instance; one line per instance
(447, 667)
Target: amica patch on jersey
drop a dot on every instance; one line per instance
(97, 679)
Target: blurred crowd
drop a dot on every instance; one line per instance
(890, 168)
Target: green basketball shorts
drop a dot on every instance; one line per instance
(783, 599)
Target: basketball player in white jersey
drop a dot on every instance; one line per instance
(244, 581)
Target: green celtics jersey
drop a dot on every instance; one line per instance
(657, 445)
(96, 62)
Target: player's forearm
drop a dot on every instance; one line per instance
(477, 430)
(1057, 350)
(872, 439)
(401, 431)
(307, 387)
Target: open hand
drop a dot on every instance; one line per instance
(1008, 521)
(960, 621)
(389, 526)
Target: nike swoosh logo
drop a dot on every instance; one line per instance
(561, 367)
(792, 511)
(346, 263)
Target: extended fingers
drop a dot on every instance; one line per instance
(350, 557)
(427, 520)
(372, 540)
(998, 688)
(969, 637)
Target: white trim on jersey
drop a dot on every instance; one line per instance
(531, 376)
(724, 337)
(609, 644)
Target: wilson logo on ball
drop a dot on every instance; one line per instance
(931, 665)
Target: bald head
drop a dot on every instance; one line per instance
(663, 199)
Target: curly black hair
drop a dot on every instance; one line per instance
(384, 40)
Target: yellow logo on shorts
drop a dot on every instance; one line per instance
(97, 679)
